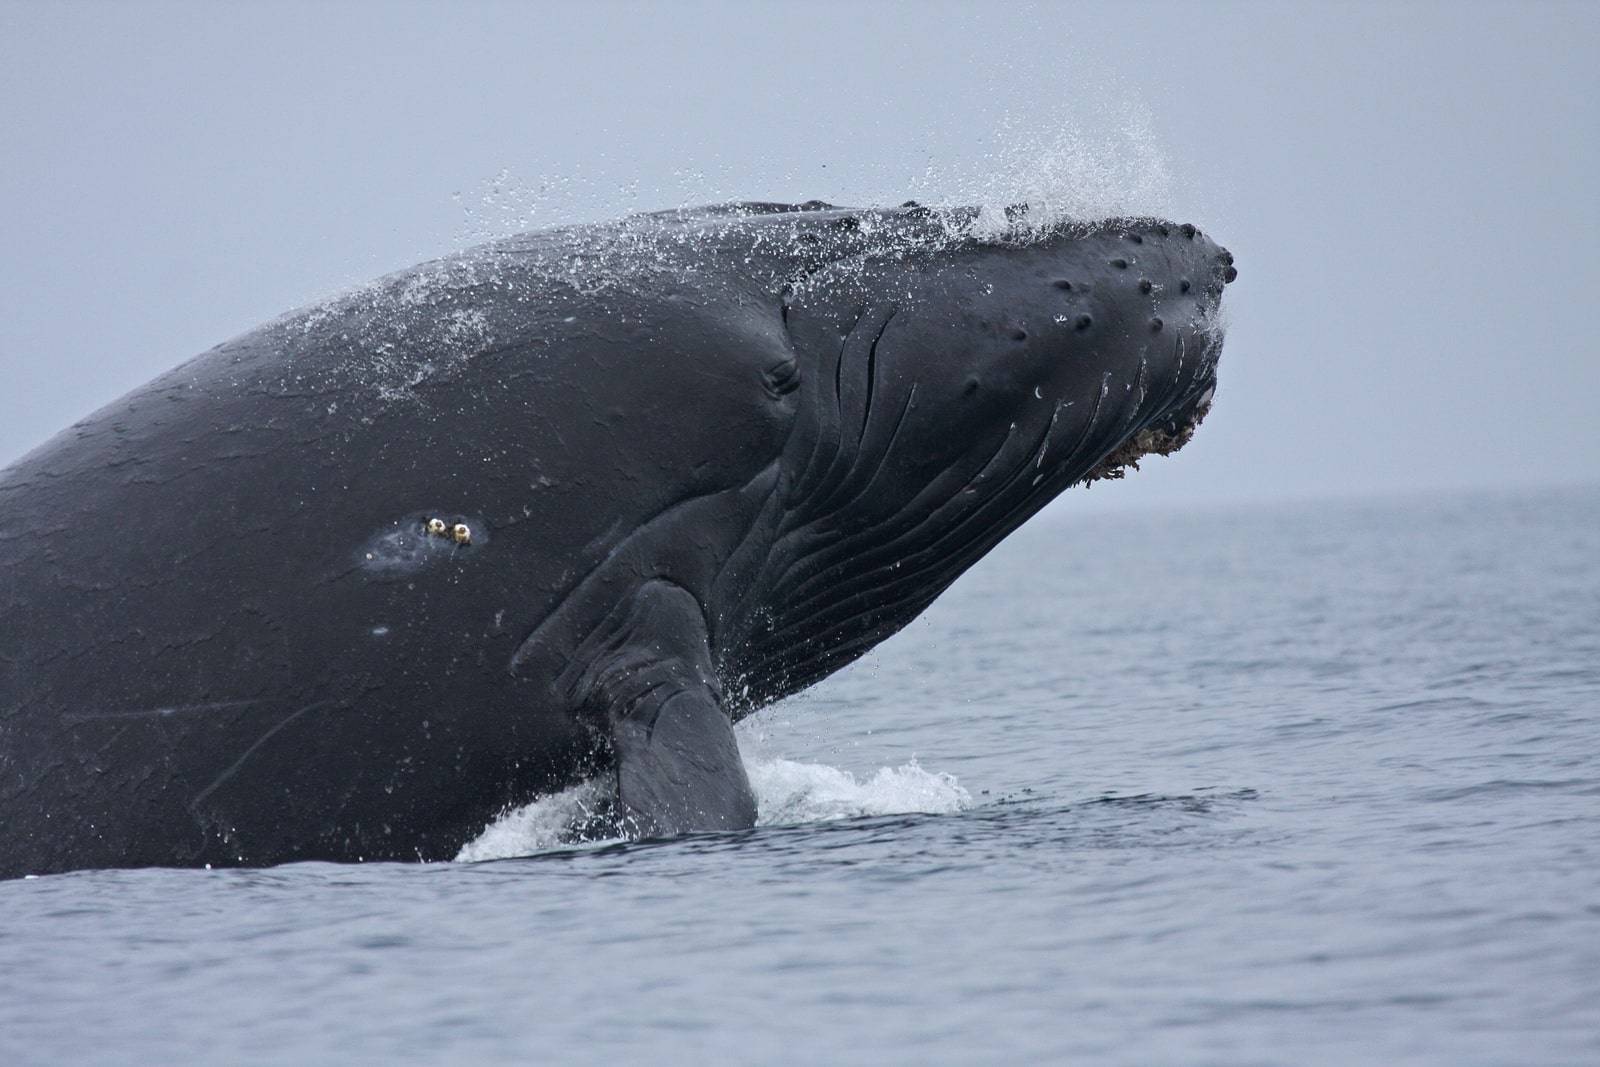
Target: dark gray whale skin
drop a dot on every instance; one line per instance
(705, 458)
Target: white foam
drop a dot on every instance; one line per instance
(537, 826)
(787, 793)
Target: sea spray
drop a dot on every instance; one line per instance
(787, 793)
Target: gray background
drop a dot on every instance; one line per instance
(1410, 190)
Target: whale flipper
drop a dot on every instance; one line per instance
(678, 765)
(678, 768)
(646, 677)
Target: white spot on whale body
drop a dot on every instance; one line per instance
(380, 631)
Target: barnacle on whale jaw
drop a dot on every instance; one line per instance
(1162, 440)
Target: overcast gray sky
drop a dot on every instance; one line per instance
(1410, 189)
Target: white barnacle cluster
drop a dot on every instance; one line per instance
(458, 532)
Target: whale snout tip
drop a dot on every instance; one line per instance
(1225, 260)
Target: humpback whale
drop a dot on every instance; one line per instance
(561, 507)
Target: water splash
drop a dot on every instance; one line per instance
(546, 823)
(787, 793)
(1069, 172)
(397, 333)
(1103, 159)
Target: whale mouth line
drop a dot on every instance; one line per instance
(1161, 440)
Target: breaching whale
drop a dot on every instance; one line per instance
(563, 506)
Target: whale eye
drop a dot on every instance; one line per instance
(782, 378)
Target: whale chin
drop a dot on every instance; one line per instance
(1162, 439)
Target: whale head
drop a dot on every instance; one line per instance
(952, 381)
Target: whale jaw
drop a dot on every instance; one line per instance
(1161, 440)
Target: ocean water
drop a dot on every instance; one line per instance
(1298, 784)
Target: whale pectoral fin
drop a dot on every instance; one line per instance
(645, 676)
(678, 767)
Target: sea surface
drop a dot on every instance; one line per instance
(1294, 784)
